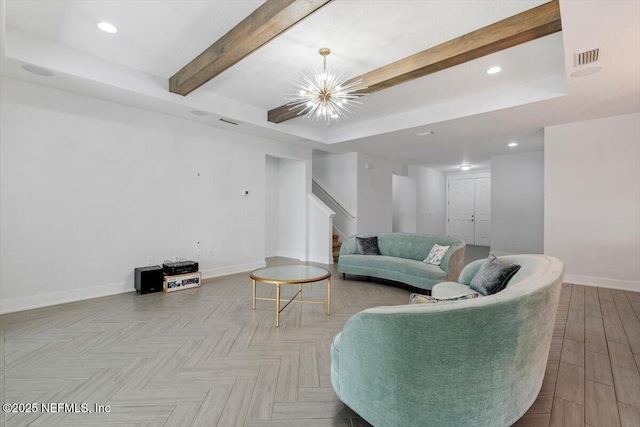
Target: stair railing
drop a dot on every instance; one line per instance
(335, 201)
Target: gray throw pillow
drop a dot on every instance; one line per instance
(493, 276)
(367, 245)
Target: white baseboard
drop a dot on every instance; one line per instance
(320, 260)
(294, 255)
(602, 282)
(270, 254)
(54, 298)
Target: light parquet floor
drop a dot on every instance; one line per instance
(203, 357)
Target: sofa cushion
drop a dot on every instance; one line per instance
(493, 276)
(367, 245)
(436, 254)
(449, 289)
(429, 299)
(393, 264)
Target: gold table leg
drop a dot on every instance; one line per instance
(278, 305)
(299, 291)
(329, 296)
(254, 294)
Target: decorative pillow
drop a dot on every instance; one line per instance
(367, 245)
(493, 276)
(421, 299)
(436, 254)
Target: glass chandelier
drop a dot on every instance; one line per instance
(325, 95)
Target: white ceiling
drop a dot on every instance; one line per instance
(472, 114)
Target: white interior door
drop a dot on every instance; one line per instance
(462, 209)
(482, 211)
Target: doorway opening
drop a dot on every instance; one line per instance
(285, 213)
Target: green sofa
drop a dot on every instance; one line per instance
(478, 362)
(400, 259)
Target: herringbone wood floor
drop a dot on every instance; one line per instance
(202, 357)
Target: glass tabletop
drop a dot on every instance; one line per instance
(290, 273)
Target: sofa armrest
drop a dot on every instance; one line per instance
(453, 263)
(348, 246)
(470, 271)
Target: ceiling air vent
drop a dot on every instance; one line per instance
(229, 121)
(584, 58)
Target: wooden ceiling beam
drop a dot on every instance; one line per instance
(263, 25)
(521, 28)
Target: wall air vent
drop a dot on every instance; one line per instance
(229, 121)
(584, 58)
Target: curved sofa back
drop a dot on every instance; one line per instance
(406, 245)
(476, 362)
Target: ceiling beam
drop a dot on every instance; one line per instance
(263, 25)
(521, 28)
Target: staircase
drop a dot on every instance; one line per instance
(336, 247)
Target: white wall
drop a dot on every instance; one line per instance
(292, 210)
(592, 200)
(430, 200)
(517, 203)
(338, 174)
(320, 231)
(90, 189)
(404, 204)
(272, 204)
(375, 193)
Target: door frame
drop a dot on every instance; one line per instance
(460, 175)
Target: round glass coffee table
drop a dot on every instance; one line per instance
(291, 275)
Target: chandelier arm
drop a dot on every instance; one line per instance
(323, 95)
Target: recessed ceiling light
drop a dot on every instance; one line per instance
(34, 69)
(513, 144)
(465, 166)
(107, 27)
(494, 70)
(425, 133)
(199, 113)
(586, 72)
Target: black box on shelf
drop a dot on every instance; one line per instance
(181, 267)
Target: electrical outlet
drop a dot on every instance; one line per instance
(150, 260)
(251, 214)
(513, 242)
(198, 254)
